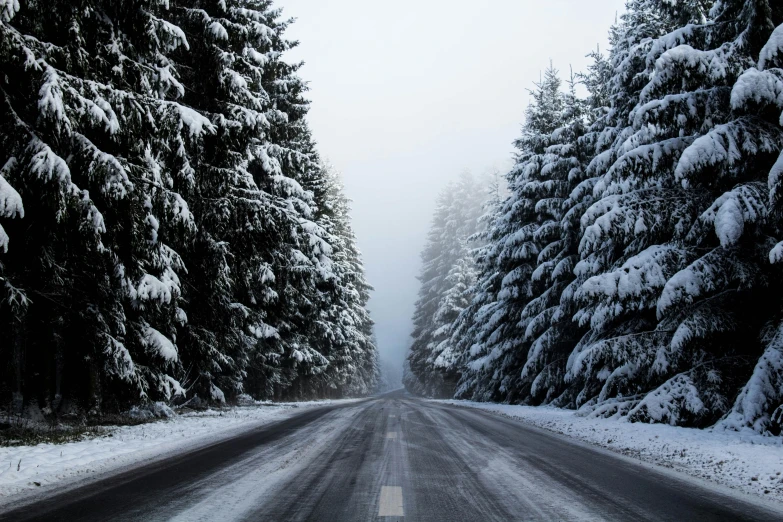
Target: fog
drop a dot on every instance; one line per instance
(408, 94)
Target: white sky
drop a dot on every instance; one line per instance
(408, 94)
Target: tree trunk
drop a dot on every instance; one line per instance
(95, 396)
(17, 341)
(59, 365)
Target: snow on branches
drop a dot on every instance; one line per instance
(176, 220)
(634, 260)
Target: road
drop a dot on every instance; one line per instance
(391, 458)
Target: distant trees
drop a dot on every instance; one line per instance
(168, 230)
(391, 375)
(633, 270)
(447, 277)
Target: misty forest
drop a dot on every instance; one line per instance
(169, 232)
(629, 265)
(423, 260)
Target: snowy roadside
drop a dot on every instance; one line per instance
(747, 462)
(37, 468)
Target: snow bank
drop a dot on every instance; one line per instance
(28, 469)
(748, 462)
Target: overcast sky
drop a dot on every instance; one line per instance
(408, 94)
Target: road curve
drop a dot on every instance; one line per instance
(390, 458)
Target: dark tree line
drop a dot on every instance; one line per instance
(167, 229)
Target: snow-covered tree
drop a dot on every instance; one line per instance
(561, 199)
(757, 100)
(466, 338)
(90, 111)
(345, 326)
(446, 278)
(160, 197)
(645, 228)
(670, 303)
(522, 227)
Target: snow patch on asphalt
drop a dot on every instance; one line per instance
(748, 462)
(27, 469)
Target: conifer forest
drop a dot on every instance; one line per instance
(168, 231)
(420, 260)
(629, 265)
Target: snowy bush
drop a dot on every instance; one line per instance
(152, 410)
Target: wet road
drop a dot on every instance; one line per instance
(395, 457)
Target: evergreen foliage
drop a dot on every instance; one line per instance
(447, 276)
(167, 230)
(634, 267)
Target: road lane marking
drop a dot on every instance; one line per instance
(391, 502)
(391, 434)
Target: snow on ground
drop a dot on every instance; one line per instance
(750, 463)
(28, 469)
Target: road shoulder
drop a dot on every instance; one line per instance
(44, 469)
(751, 464)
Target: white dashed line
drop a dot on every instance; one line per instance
(391, 502)
(391, 435)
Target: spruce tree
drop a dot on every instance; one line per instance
(465, 334)
(446, 278)
(660, 251)
(160, 198)
(671, 317)
(500, 350)
(90, 110)
(345, 326)
(560, 201)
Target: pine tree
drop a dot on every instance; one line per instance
(756, 99)
(160, 198)
(465, 334)
(670, 307)
(446, 278)
(434, 268)
(560, 201)
(258, 256)
(499, 353)
(459, 278)
(345, 324)
(102, 211)
(651, 227)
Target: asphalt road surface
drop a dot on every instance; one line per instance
(395, 457)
